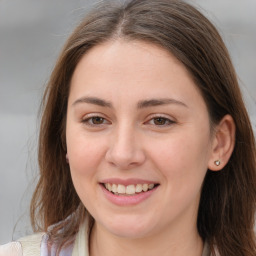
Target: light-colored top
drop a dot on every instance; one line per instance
(37, 245)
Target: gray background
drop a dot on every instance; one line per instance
(32, 33)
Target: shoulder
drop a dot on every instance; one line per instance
(11, 249)
(31, 245)
(26, 246)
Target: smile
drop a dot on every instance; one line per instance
(120, 189)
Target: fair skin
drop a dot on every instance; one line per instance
(135, 116)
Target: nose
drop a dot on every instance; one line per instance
(125, 150)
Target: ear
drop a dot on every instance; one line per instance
(223, 143)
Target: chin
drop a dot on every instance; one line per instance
(128, 232)
(128, 227)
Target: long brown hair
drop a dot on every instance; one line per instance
(227, 208)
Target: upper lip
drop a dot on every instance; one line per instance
(127, 182)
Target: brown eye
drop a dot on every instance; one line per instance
(97, 120)
(160, 121)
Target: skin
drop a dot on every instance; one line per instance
(128, 141)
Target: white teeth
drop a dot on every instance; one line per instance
(109, 187)
(145, 187)
(138, 188)
(120, 189)
(114, 188)
(150, 186)
(128, 190)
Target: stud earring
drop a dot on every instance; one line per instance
(217, 162)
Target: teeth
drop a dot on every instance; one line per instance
(150, 186)
(145, 187)
(138, 188)
(120, 189)
(109, 187)
(129, 190)
(114, 188)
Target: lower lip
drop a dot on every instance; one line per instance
(127, 200)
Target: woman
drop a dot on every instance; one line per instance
(145, 144)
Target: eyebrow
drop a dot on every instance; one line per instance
(140, 105)
(93, 100)
(159, 102)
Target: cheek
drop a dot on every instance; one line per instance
(85, 153)
(182, 160)
(85, 157)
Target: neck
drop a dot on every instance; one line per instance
(172, 242)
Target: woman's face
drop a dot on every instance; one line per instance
(137, 124)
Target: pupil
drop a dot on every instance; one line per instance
(159, 121)
(97, 120)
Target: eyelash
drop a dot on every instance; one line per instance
(89, 121)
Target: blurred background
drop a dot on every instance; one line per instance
(32, 32)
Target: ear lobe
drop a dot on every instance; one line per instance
(222, 144)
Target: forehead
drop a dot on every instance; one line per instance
(127, 54)
(132, 68)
